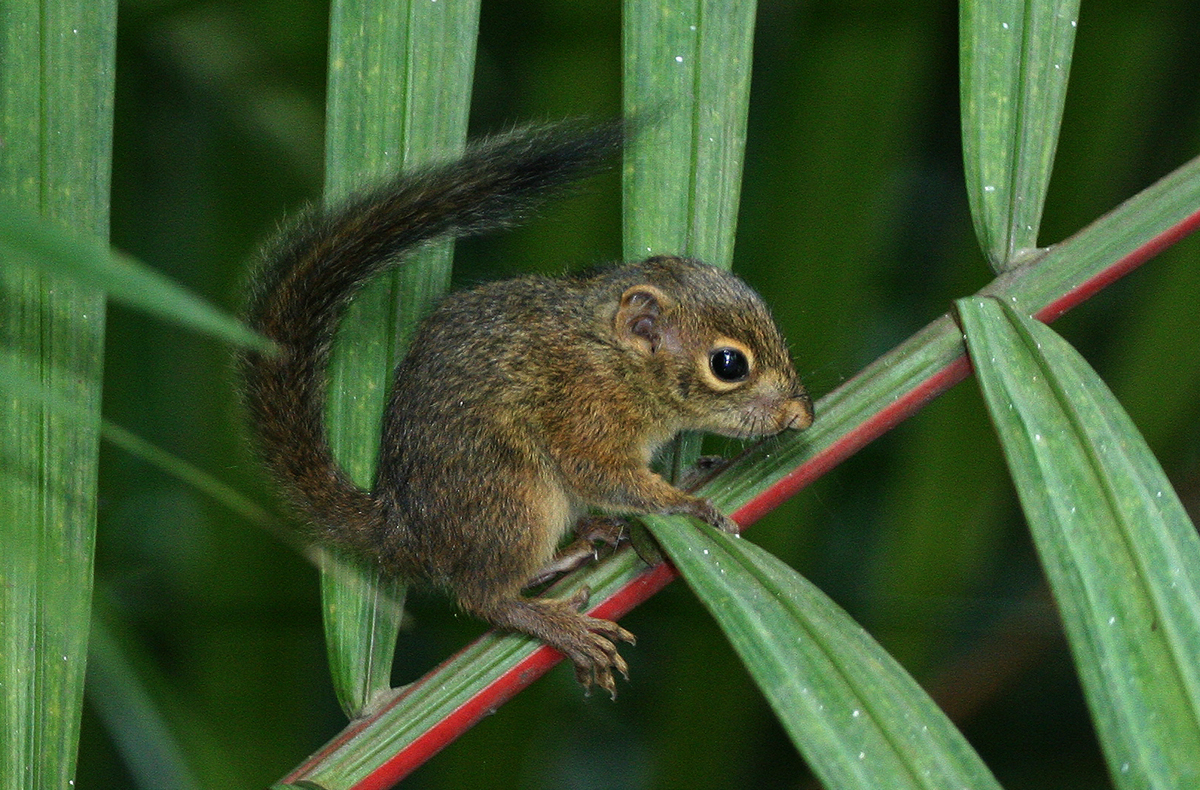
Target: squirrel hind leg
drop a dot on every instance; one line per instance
(589, 642)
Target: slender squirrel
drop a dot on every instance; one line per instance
(521, 404)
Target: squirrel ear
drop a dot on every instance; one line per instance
(640, 320)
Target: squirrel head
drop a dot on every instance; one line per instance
(726, 366)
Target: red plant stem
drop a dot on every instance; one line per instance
(866, 432)
(1119, 269)
(654, 579)
(495, 694)
(638, 590)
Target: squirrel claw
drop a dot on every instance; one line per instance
(596, 659)
(589, 642)
(594, 653)
(590, 530)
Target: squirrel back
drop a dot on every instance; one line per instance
(309, 275)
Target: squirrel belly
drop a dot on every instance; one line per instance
(521, 404)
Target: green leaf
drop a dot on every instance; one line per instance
(55, 250)
(56, 81)
(399, 93)
(16, 383)
(1122, 557)
(687, 73)
(857, 717)
(1014, 62)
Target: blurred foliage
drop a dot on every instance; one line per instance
(853, 224)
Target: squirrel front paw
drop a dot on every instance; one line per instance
(707, 512)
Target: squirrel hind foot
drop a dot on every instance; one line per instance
(588, 642)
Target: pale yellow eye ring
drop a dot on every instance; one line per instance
(727, 364)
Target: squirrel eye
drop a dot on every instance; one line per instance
(729, 364)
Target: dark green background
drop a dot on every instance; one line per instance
(853, 224)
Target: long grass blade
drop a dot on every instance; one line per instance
(1122, 556)
(91, 264)
(687, 78)
(399, 93)
(56, 82)
(858, 718)
(141, 733)
(16, 385)
(1014, 62)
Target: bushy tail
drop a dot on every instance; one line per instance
(310, 274)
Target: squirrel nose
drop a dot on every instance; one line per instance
(798, 413)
